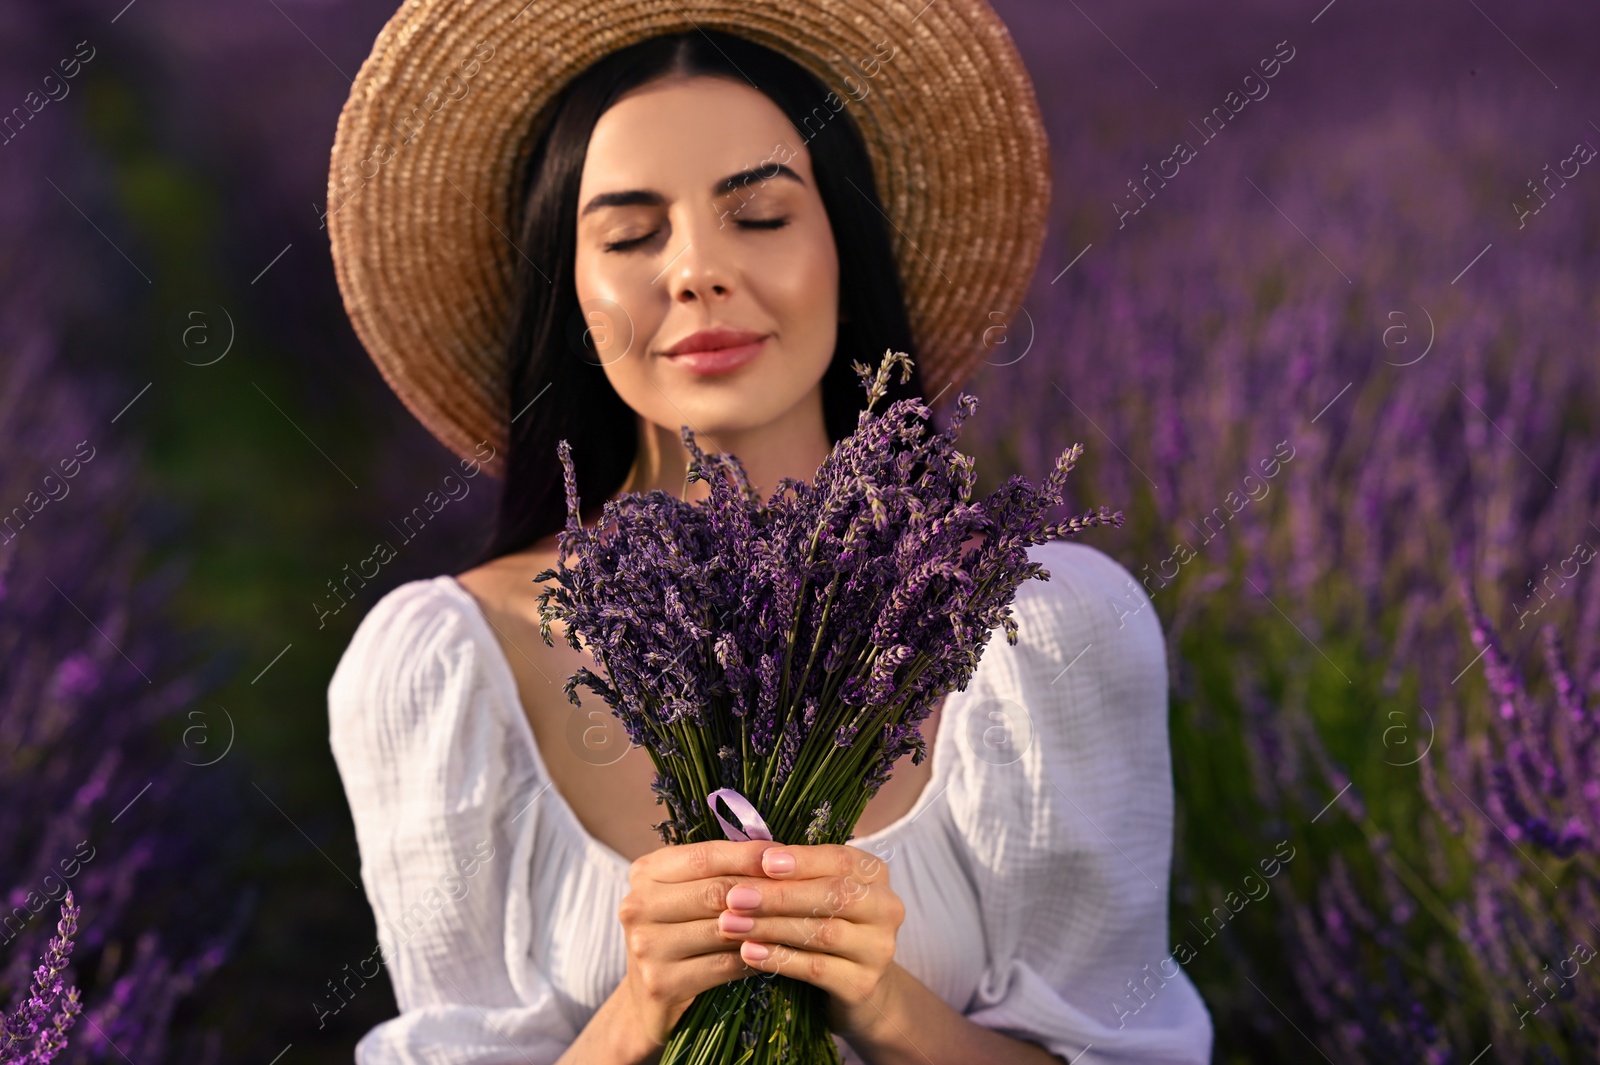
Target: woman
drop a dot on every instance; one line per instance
(701, 242)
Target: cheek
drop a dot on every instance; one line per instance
(815, 271)
(801, 289)
(618, 316)
(618, 312)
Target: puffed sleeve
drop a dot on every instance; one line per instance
(1070, 823)
(420, 741)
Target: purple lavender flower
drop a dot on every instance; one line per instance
(19, 1029)
(789, 649)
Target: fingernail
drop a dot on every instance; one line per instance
(744, 897)
(777, 861)
(755, 950)
(733, 922)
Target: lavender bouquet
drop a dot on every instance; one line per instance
(785, 654)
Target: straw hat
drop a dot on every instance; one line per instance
(445, 110)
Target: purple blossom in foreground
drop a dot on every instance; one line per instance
(49, 988)
(790, 649)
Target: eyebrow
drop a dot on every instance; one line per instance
(651, 198)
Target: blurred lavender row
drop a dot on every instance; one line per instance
(105, 740)
(1362, 483)
(106, 798)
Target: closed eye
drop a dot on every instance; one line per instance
(633, 242)
(744, 223)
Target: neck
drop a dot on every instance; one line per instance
(792, 446)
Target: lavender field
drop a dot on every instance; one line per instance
(1330, 337)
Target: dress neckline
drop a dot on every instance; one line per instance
(932, 788)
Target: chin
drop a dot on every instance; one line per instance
(737, 410)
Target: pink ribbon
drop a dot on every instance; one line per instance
(749, 817)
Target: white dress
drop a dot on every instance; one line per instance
(1033, 866)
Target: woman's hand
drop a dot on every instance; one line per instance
(829, 918)
(669, 922)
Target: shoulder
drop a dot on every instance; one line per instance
(1066, 730)
(410, 628)
(1089, 600)
(416, 645)
(1085, 685)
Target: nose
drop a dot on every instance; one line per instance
(702, 269)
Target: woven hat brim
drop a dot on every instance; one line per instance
(440, 118)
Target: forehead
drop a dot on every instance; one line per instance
(685, 133)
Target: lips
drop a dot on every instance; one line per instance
(712, 340)
(715, 351)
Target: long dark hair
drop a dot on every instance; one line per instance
(556, 389)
